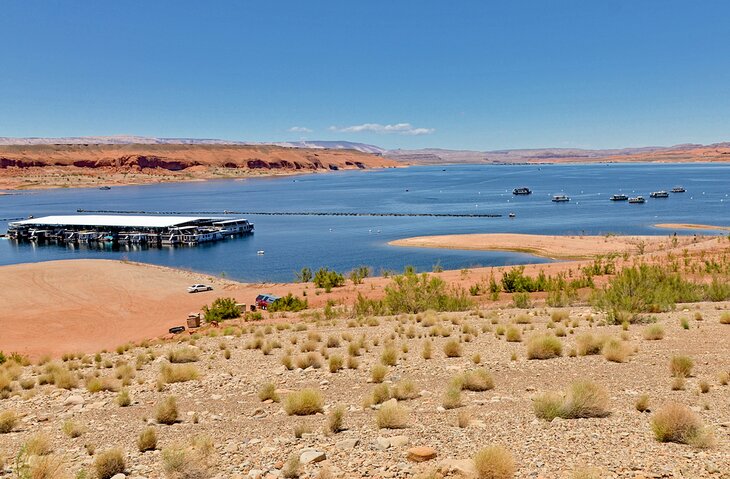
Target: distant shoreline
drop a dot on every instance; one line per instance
(691, 226)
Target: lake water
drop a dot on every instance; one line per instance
(342, 243)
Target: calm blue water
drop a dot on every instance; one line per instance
(343, 243)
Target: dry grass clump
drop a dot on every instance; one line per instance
(452, 348)
(65, 379)
(109, 463)
(166, 411)
(588, 344)
(179, 373)
(427, 351)
(587, 473)
(523, 319)
(725, 318)
(392, 415)
(38, 445)
(183, 463)
(268, 391)
(335, 363)
(616, 350)
(336, 419)
(43, 467)
(123, 398)
(463, 419)
(544, 346)
(704, 386)
(304, 402)
(654, 332)
(72, 429)
(378, 373)
(681, 366)
(642, 403)
(583, 399)
(389, 356)
(404, 390)
(477, 380)
(291, 467)
(513, 335)
(380, 394)
(452, 396)
(677, 423)
(494, 462)
(8, 420)
(95, 385)
(183, 355)
(147, 440)
(309, 360)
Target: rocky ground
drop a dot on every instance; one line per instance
(252, 438)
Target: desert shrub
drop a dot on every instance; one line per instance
(328, 279)
(642, 403)
(179, 373)
(8, 420)
(40, 467)
(336, 419)
(463, 418)
(588, 344)
(427, 351)
(653, 332)
(704, 387)
(681, 366)
(521, 300)
(309, 360)
(358, 274)
(559, 315)
(290, 470)
(644, 289)
(404, 390)
(725, 318)
(335, 363)
(72, 429)
(95, 384)
(513, 334)
(333, 341)
(288, 303)
(452, 348)
(544, 347)
(378, 373)
(587, 473)
(494, 462)
(389, 356)
(392, 415)
(677, 423)
(184, 463)
(304, 275)
(304, 402)
(477, 380)
(38, 445)
(717, 290)
(583, 399)
(268, 391)
(65, 379)
(147, 440)
(166, 411)
(380, 394)
(183, 355)
(616, 350)
(413, 293)
(220, 310)
(27, 383)
(452, 397)
(109, 463)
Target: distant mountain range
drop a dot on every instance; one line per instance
(683, 152)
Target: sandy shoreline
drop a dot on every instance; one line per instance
(691, 226)
(553, 247)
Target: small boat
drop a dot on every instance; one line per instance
(678, 189)
(260, 252)
(619, 198)
(638, 199)
(105, 187)
(561, 198)
(522, 191)
(512, 215)
(659, 194)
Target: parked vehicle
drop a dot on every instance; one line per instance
(197, 288)
(263, 301)
(176, 329)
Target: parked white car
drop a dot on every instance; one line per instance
(197, 288)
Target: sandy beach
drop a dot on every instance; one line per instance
(691, 226)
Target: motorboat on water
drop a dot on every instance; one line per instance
(678, 189)
(561, 198)
(659, 194)
(637, 199)
(619, 197)
(522, 191)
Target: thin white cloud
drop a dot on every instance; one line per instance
(300, 129)
(399, 128)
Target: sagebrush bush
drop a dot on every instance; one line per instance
(677, 423)
(147, 440)
(392, 415)
(166, 411)
(109, 463)
(681, 366)
(304, 402)
(544, 346)
(494, 462)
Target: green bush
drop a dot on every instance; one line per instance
(221, 309)
(358, 274)
(328, 279)
(304, 276)
(289, 303)
(521, 300)
(414, 293)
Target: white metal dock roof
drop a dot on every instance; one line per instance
(117, 221)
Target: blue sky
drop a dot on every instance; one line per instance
(409, 74)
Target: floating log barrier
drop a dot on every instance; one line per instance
(290, 213)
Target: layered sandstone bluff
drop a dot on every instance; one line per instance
(73, 165)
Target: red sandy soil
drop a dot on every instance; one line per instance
(84, 165)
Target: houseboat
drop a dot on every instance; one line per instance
(678, 189)
(561, 198)
(619, 197)
(637, 199)
(522, 191)
(659, 194)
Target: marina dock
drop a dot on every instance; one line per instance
(128, 229)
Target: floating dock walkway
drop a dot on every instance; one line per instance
(296, 213)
